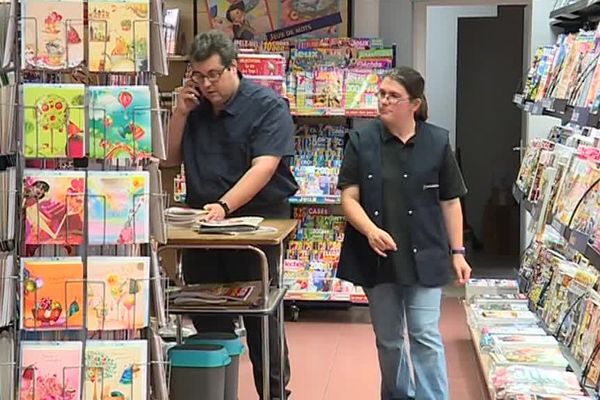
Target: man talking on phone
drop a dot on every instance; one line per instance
(234, 138)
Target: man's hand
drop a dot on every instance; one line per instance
(381, 241)
(187, 99)
(215, 212)
(461, 268)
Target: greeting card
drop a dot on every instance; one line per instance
(119, 33)
(118, 207)
(50, 370)
(117, 293)
(54, 120)
(52, 33)
(240, 19)
(52, 293)
(53, 204)
(116, 370)
(120, 126)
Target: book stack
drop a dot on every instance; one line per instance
(312, 255)
(476, 287)
(265, 69)
(567, 71)
(519, 357)
(336, 77)
(317, 162)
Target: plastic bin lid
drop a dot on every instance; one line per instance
(199, 356)
(230, 341)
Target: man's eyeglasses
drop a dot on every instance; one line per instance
(212, 76)
(392, 98)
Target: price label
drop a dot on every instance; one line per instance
(537, 108)
(518, 98)
(547, 103)
(528, 107)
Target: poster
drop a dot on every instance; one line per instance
(310, 18)
(240, 19)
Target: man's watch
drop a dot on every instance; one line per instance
(461, 251)
(224, 206)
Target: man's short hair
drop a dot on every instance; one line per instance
(207, 44)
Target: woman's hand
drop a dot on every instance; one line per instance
(461, 268)
(381, 241)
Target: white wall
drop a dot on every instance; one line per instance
(440, 63)
(396, 27)
(365, 23)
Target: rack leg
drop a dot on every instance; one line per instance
(265, 358)
(281, 327)
(179, 334)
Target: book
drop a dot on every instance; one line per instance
(171, 30)
(54, 120)
(118, 206)
(118, 293)
(50, 370)
(52, 34)
(119, 33)
(120, 122)
(52, 293)
(116, 370)
(53, 204)
(360, 96)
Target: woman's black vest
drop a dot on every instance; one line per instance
(358, 262)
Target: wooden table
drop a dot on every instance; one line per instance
(272, 300)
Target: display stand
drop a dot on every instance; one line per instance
(272, 299)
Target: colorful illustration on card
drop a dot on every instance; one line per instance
(54, 120)
(118, 207)
(52, 293)
(117, 293)
(50, 370)
(295, 12)
(120, 126)
(116, 370)
(52, 34)
(119, 35)
(53, 203)
(240, 19)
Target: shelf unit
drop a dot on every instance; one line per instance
(576, 15)
(576, 240)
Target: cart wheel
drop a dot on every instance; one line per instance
(295, 310)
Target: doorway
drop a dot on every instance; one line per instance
(488, 127)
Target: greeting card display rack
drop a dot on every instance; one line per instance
(83, 202)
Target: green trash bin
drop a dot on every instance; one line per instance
(198, 372)
(232, 343)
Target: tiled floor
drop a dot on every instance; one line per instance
(333, 356)
(338, 361)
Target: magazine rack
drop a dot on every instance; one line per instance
(272, 299)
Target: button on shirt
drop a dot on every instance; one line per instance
(219, 149)
(399, 266)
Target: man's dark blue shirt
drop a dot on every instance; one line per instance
(218, 149)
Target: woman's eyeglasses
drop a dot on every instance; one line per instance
(391, 98)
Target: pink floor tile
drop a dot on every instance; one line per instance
(333, 357)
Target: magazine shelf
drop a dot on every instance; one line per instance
(575, 15)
